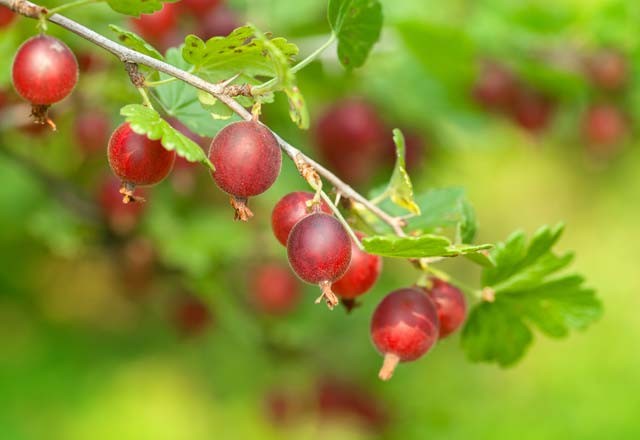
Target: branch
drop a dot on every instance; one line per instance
(219, 91)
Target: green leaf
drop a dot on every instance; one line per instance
(557, 306)
(417, 247)
(515, 256)
(137, 7)
(527, 291)
(181, 101)
(147, 121)
(239, 53)
(494, 333)
(286, 80)
(484, 259)
(357, 24)
(135, 42)
(442, 210)
(400, 189)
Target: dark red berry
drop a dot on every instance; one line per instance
(191, 316)
(290, 210)
(199, 7)
(217, 22)
(352, 138)
(281, 407)
(361, 275)
(531, 110)
(319, 251)
(608, 70)
(344, 400)
(121, 218)
(45, 70)
(247, 159)
(274, 290)
(157, 26)
(451, 306)
(6, 17)
(91, 131)
(403, 328)
(90, 62)
(495, 87)
(604, 125)
(138, 160)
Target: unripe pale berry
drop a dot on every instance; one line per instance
(451, 306)
(319, 251)
(404, 327)
(138, 160)
(247, 159)
(290, 210)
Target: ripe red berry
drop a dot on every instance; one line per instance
(138, 160)
(319, 251)
(157, 26)
(6, 17)
(607, 70)
(217, 22)
(451, 306)
(290, 210)
(344, 400)
(247, 159)
(495, 87)
(91, 131)
(352, 138)
(121, 218)
(274, 290)
(198, 7)
(403, 328)
(531, 110)
(604, 125)
(191, 316)
(361, 275)
(45, 70)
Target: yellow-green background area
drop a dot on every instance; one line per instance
(80, 361)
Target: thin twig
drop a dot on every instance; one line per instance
(222, 92)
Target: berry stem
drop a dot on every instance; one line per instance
(241, 208)
(327, 295)
(389, 365)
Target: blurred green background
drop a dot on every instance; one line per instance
(93, 343)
